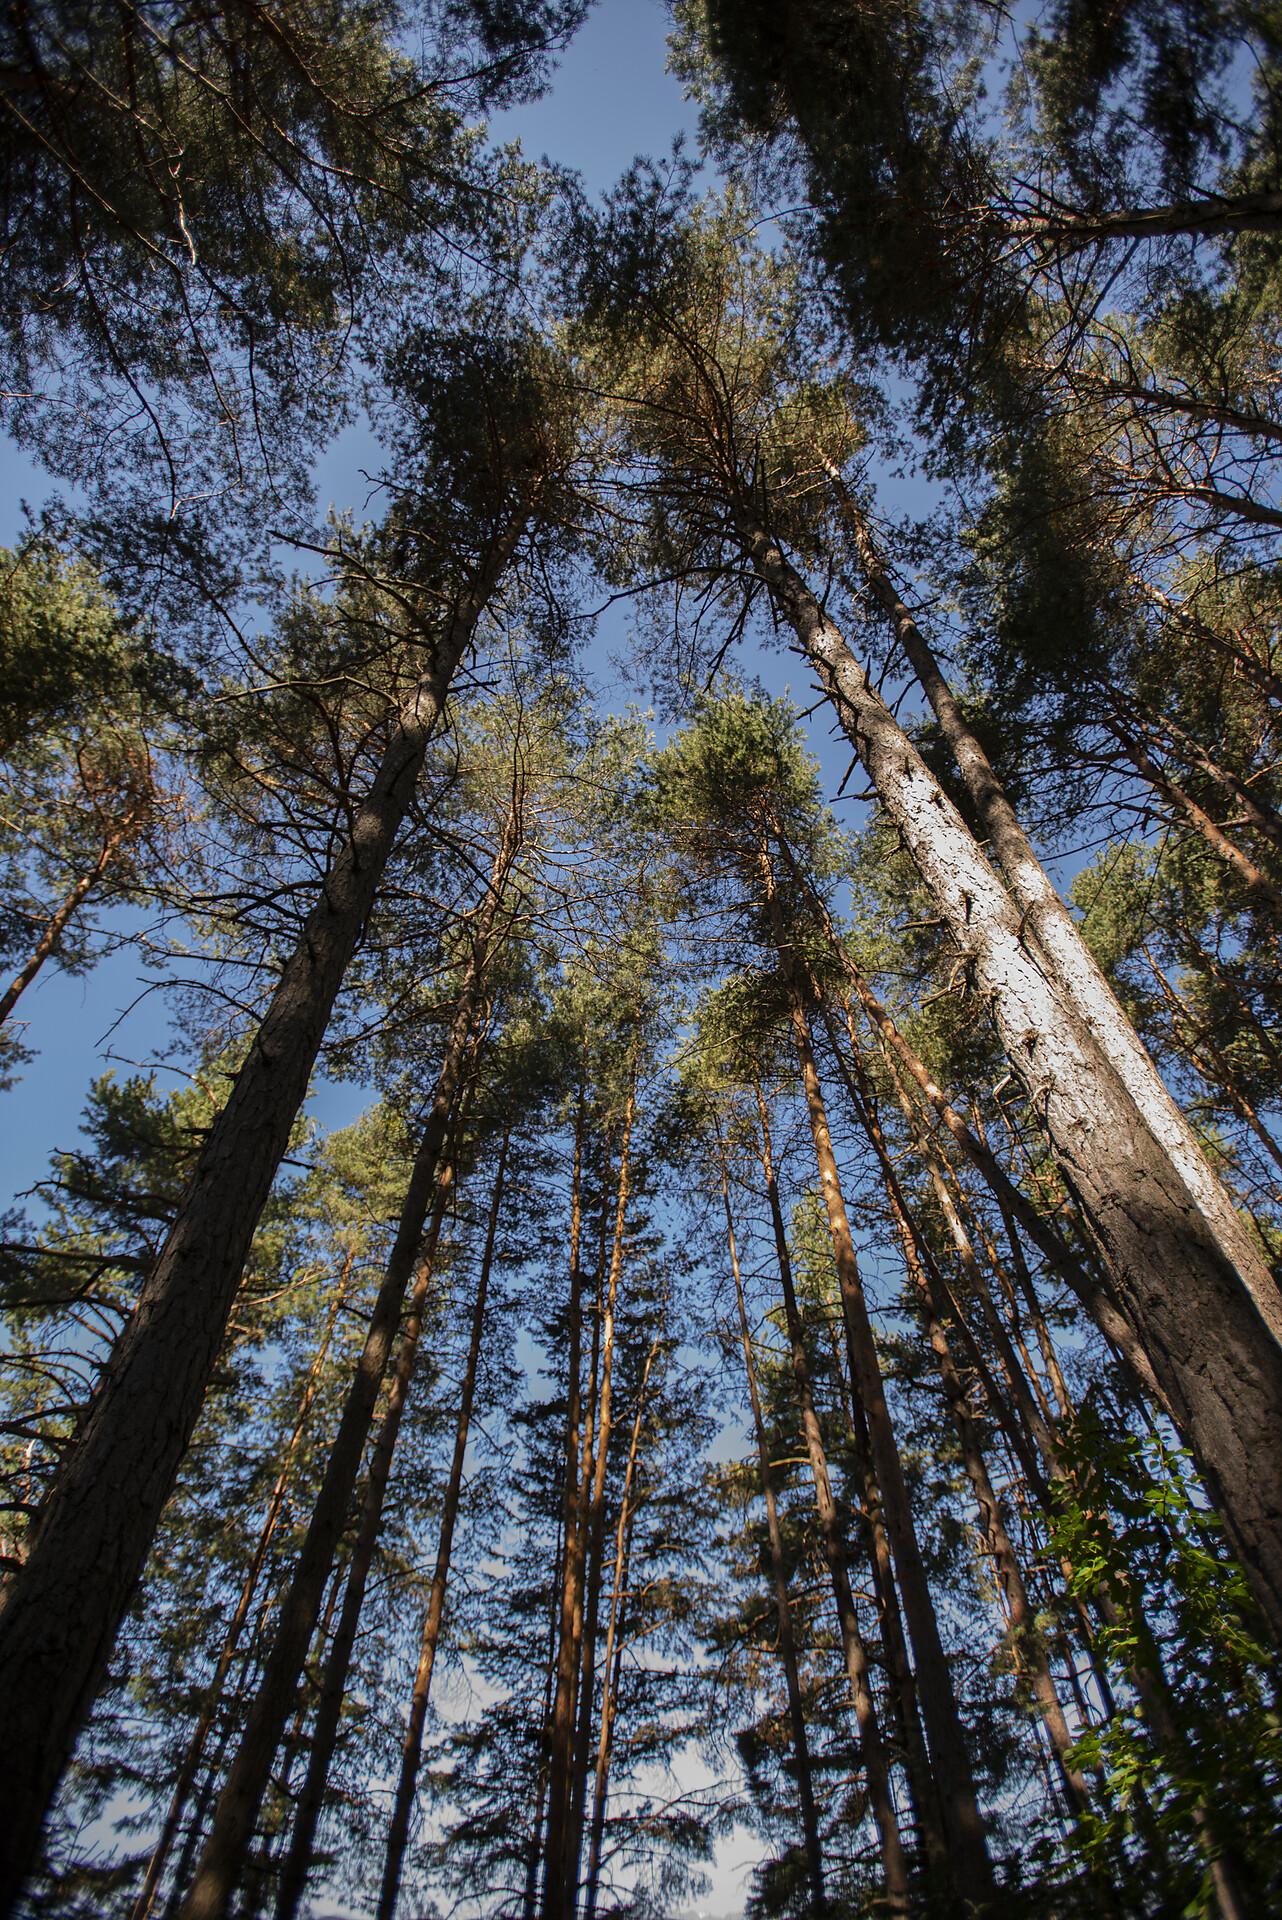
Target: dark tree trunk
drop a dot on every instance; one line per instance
(293, 1875)
(90, 1544)
(412, 1748)
(779, 1576)
(872, 1750)
(238, 1805)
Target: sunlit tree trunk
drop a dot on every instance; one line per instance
(778, 1570)
(872, 1750)
(944, 1734)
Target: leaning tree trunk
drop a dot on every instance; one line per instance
(57, 923)
(90, 1544)
(1076, 971)
(972, 1871)
(1214, 1350)
(872, 1750)
(411, 1751)
(238, 1805)
(293, 1874)
(783, 1611)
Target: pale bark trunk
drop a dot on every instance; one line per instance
(563, 1703)
(944, 1734)
(209, 1708)
(293, 1875)
(622, 1556)
(1211, 1343)
(49, 938)
(412, 1749)
(783, 1611)
(1074, 966)
(91, 1542)
(238, 1805)
(596, 1514)
(872, 1750)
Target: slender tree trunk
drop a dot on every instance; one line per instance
(1074, 966)
(530, 1901)
(412, 1749)
(1212, 1343)
(563, 1703)
(213, 1694)
(238, 1806)
(596, 1514)
(53, 931)
(1097, 1302)
(947, 1741)
(622, 1558)
(293, 1877)
(778, 1569)
(1257, 884)
(90, 1544)
(921, 1781)
(872, 1750)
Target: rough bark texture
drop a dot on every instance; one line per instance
(200, 1733)
(62, 1612)
(412, 1749)
(1071, 961)
(779, 1578)
(1214, 1353)
(294, 1870)
(563, 1701)
(238, 1805)
(872, 1750)
(596, 1517)
(944, 1735)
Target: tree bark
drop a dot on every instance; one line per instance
(213, 1693)
(596, 1514)
(872, 1750)
(944, 1734)
(1073, 965)
(609, 1699)
(563, 1702)
(238, 1804)
(293, 1875)
(1211, 1343)
(783, 1611)
(61, 1614)
(412, 1749)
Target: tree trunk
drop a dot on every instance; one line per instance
(238, 1805)
(563, 1702)
(622, 1559)
(411, 1751)
(293, 1877)
(872, 1751)
(213, 1693)
(1211, 1343)
(944, 1734)
(61, 1613)
(596, 1514)
(1073, 965)
(783, 1612)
